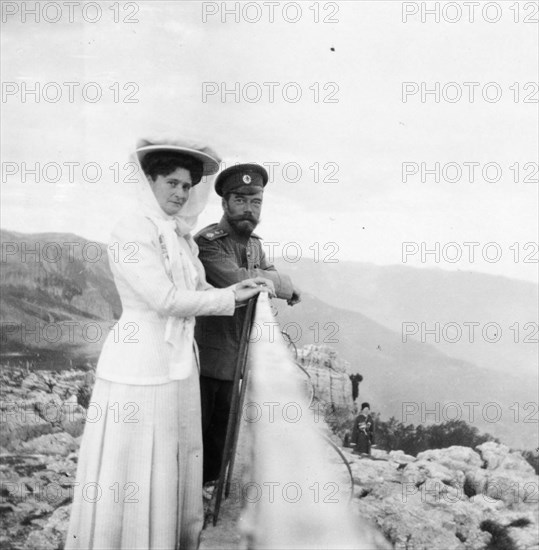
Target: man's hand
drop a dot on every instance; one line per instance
(266, 284)
(296, 297)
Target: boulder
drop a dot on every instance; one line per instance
(60, 443)
(418, 472)
(368, 473)
(328, 374)
(411, 523)
(379, 454)
(53, 530)
(401, 457)
(497, 456)
(455, 458)
(39, 382)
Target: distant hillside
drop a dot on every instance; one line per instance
(413, 377)
(55, 300)
(58, 313)
(392, 295)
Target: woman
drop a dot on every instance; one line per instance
(139, 478)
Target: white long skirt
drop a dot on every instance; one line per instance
(139, 477)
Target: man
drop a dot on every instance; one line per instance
(363, 432)
(230, 252)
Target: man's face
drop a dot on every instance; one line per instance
(243, 211)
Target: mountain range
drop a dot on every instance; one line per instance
(502, 312)
(58, 302)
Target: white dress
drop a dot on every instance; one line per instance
(139, 477)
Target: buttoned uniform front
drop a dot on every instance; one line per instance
(229, 258)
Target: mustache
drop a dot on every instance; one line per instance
(242, 218)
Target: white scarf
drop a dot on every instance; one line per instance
(179, 255)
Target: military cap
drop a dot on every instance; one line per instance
(244, 179)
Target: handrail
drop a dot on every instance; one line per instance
(326, 438)
(285, 452)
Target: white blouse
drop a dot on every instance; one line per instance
(138, 349)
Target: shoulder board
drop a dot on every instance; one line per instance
(256, 236)
(213, 233)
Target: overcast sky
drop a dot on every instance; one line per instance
(360, 140)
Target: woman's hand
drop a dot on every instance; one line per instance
(251, 287)
(266, 284)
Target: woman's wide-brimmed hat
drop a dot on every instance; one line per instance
(208, 157)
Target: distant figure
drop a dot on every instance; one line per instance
(356, 379)
(363, 432)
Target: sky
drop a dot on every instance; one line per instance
(338, 150)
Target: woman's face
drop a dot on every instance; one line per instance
(172, 191)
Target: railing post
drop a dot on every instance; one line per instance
(234, 417)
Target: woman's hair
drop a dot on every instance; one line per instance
(163, 163)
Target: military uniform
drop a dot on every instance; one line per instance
(228, 258)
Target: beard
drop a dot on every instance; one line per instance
(244, 225)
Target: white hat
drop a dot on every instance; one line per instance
(208, 157)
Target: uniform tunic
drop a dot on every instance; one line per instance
(228, 258)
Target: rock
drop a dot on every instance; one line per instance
(498, 456)
(28, 417)
(401, 456)
(379, 454)
(437, 500)
(10, 485)
(455, 458)
(73, 417)
(36, 381)
(32, 509)
(59, 443)
(369, 474)
(46, 406)
(417, 473)
(507, 476)
(524, 534)
(407, 525)
(52, 534)
(332, 385)
(41, 403)
(441, 498)
(510, 488)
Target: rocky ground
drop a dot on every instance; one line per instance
(455, 498)
(42, 421)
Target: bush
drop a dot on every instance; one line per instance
(532, 459)
(83, 395)
(394, 435)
